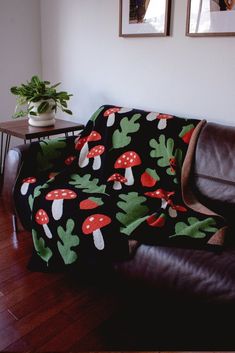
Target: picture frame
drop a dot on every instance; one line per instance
(210, 18)
(144, 18)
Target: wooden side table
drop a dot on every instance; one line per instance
(21, 129)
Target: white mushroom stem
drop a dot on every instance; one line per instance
(57, 209)
(129, 176)
(24, 188)
(47, 231)
(162, 124)
(124, 110)
(172, 212)
(98, 239)
(111, 119)
(117, 185)
(164, 204)
(97, 163)
(83, 160)
(151, 116)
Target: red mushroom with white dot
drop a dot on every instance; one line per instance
(69, 160)
(95, 153)
(161, 117)
(163, 120)
(92, 225)
(128, 160)
(25, 184)
(58, 196)
(42, 219)
(118, 180)
(79, 143)
(161, 194)
(110, 114)
(83, 160)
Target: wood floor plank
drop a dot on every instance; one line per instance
(19, 346)
(9, 334)
(15, 241)
(30, 322)
(42, 296)
(14, 270)
(12, 256)
(42, 334)
(25, 291)
(6, 319)
(87, 318)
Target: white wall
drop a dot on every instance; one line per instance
(185, 76)
(20, 48)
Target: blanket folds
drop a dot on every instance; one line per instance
(125, 178)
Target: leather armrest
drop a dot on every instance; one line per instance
(14, 160)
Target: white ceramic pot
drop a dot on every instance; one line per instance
(45, 119)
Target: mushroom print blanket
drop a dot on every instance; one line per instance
(126, 177)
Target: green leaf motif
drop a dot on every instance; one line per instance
(36, 193)
(87, 184)
(164, 151)
(120, 137)
(96, 114)
(195, 228)
(42, 250)
(68, 240)
(134, 212)
(49, 151)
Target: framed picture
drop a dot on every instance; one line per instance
(210, 18)
(142, 18)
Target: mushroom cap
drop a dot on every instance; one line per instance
(94, 222)
(69, 160)
(41, 217)
(29, 180)
(94, 136)
(61, 194)
(160, 194)
(127, 159)
(80, 143)
(111, 111)
(117, 177)
(96, 151)
(164, 116)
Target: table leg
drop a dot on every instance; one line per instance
(4, 148)
(1, 153)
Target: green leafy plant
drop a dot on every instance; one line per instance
(41, 92)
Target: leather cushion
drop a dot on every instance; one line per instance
(199, 274)
(214, 168)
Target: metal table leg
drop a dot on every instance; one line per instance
(4, 148)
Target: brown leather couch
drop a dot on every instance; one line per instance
(174, 278)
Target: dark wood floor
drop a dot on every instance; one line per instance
(48, 312)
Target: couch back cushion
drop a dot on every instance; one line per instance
(214, 169)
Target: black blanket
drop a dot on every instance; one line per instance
(120, 180)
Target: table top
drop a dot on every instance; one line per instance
(21, 128)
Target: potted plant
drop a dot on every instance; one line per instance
(40, 100)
